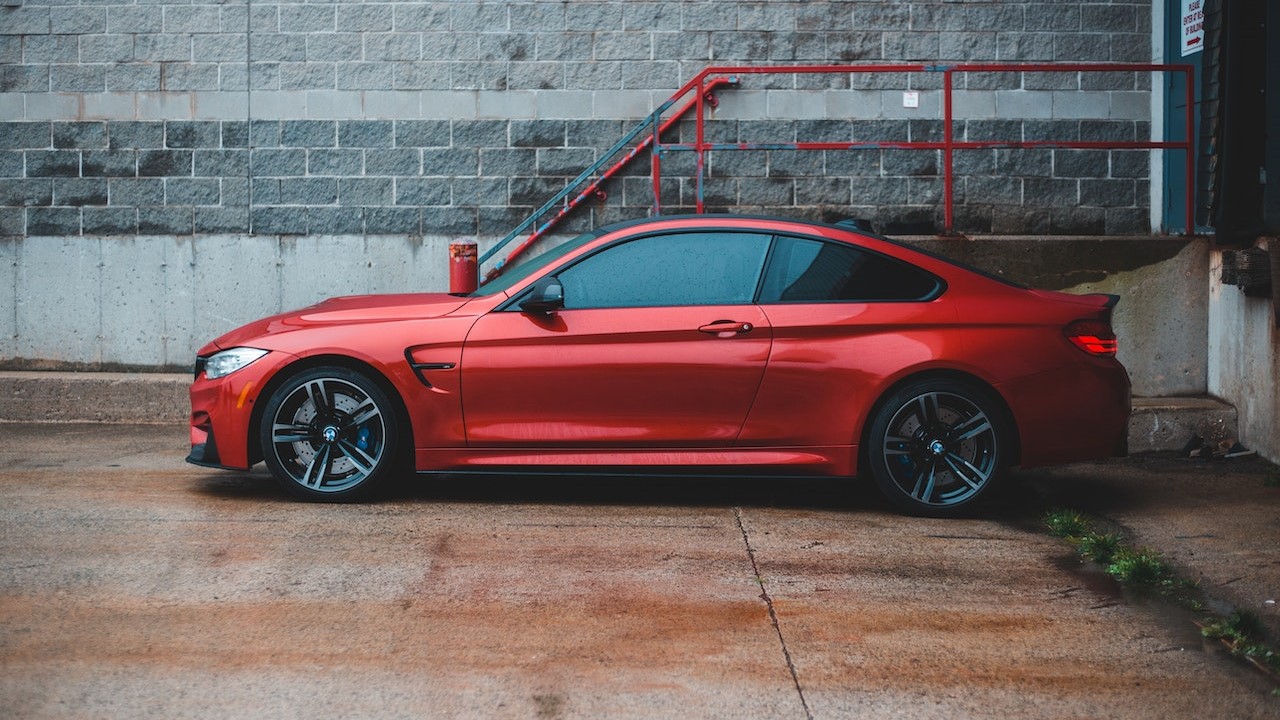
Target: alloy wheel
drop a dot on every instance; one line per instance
(327, 434)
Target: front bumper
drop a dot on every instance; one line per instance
(222, 412)
(206, 455)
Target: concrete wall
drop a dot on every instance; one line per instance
(152, 301)
(1244, 359)
(168, 170)
(131, 117)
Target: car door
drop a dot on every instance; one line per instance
(843, 319)
(658, 345)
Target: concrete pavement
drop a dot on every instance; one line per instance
(1228, 496)
(133, 585)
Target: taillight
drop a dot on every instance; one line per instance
(1092, 336)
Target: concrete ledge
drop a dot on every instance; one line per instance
(97, 397)
(1167, 423)
(161, 398)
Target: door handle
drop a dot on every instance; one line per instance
(727, 328)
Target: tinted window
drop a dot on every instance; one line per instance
(702, 268)
(813, 271)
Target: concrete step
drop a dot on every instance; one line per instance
(1168, 423)
(161, 398)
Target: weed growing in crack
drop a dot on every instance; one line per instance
(1136, 566)
(1241, 632)
(1100, 548)
(1067, 524)
(1140, 567)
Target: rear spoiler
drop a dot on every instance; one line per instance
(1098, 301)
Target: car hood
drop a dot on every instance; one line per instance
(349, 310)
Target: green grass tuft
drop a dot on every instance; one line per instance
(1098, 547)
(1066, 523)
(1140, 567)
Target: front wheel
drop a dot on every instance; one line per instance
(937, 446)
(329, 434)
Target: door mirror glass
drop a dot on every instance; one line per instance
(546, 296)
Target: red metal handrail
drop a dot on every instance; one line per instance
(948, 144)
(706, 94)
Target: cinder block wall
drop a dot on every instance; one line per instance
(250, 121)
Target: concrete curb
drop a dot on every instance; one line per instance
(93, 397)
(161, 399)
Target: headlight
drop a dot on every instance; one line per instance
(228, 361)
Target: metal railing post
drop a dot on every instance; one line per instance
(1190, 164)
(655, 160)
(699, 140)
(948, 156)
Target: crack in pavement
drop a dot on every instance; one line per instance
(773, 614)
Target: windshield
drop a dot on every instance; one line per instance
(519, 272)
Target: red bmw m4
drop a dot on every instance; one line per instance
(694, 344)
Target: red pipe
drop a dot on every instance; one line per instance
(948, 159)
(949, 144)
(463, 270)
(701, 157)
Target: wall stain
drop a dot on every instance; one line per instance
(1056, 263)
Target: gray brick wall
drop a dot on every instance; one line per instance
(456, 118)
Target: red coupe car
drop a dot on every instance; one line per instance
(695, 344)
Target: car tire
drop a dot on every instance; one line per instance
(330, 434)
(938, 446)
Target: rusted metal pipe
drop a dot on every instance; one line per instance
(464, 271)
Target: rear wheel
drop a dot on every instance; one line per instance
(938, 446)
(329, 434)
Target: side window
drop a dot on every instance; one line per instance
(697, 268)
(814, 271)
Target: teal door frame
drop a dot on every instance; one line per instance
(1173, 183)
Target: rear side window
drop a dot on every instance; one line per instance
(692, 268)
(803, 270)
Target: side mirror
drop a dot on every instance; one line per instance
(546, 296)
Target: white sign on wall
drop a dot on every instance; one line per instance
(1192, 27)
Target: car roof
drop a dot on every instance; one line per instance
(711, 218)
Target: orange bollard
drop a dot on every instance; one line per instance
(464, 273)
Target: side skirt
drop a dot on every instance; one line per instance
(832, 461)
